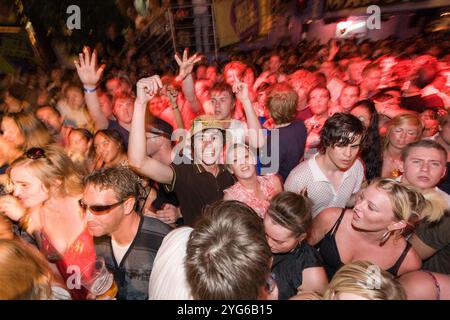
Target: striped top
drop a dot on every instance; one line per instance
(133, 273)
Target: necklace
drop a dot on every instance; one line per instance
(394, 172)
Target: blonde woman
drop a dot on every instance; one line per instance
(33, 279)
(373, 230)
(24, 131)
(251, 189)
(401, 130)
(47, 189)
(362, 280)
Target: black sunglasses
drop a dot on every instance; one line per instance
(100, 209)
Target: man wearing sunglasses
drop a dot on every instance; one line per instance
(126, 240)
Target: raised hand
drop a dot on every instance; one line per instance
(147, 88)
(87, 68)
(334, 49)
(172, 94)
(186, 64)
(240, 89)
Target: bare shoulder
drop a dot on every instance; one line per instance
(328, 216)
(412, 262)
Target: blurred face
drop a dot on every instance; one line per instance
(157, 105)
(280, 239)
(318, 101)
(78, 143)
(11, 132)
(343, 156)
(300, 90)
(122, 89)
(106, 148)
(445, 133)
(403, 69)
(201, 72)
(373, 210)
(349, 96)
(27, 187)
(123, 110)
(274, 64)
(208, 146)
(372, 79)
(431, 124)
(362, 114)
(211, 74)
(424, 167)
(223, 104)
(107, 222)
(112, 85)
(242, 163)
(105, 105)
(403, 134)
(74, 98)
(355, 71)
(50, 119)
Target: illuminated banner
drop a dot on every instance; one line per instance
(240, 20)
(333, 5)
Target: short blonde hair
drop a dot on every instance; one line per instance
(25, 274)
(407, 118)
(367, 280)
(53, 166)
(282, 103)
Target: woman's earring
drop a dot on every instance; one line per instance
(385, 237)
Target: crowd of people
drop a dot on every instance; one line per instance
(309, 172)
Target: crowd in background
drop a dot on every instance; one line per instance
(302, 172)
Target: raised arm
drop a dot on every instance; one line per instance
(137, 157)
(185, 74)
(172, 94)
(255, 138)
(90, 75)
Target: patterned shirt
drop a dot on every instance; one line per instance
(320, 190)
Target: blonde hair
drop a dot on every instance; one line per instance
(34, 132)
(25, 275)
(400, 120)
(408, 203)
(53, 166)
(367, 280)
(282, 103)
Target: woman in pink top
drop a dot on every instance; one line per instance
(251, 189)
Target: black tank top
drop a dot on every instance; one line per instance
(330, 253)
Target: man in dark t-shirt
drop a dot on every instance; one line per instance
(286, 141)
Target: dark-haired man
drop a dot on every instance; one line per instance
(332, 176)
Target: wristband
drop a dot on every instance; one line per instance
(89, 90)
